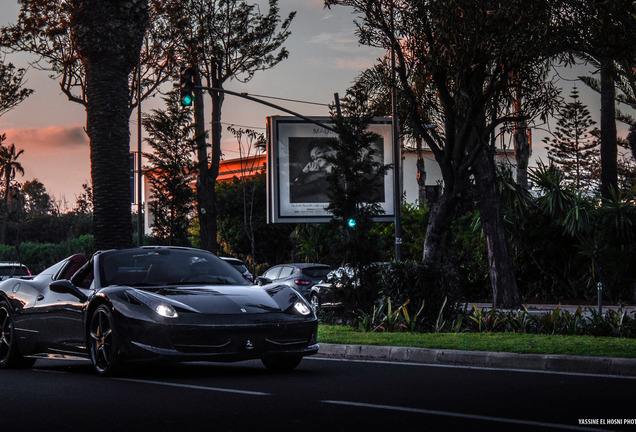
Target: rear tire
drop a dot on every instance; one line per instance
(104, 342)
(9, 354)
(282, 362)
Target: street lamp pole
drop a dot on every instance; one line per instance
(140, 220)
(397, 154)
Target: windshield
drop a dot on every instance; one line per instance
(166, 266)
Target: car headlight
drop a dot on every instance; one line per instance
(302, 308)
(166, 310)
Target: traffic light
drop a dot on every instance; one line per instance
(351, 223)
(186, 86)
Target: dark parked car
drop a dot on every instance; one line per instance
(13, 269)
(240, 266)
(151, 303)
(300, 276)
(327, 294)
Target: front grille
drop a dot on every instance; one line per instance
(232, 339)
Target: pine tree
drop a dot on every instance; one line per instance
(573, 147)
(171, 172)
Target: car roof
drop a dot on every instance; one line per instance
(236, 260)
(302, 265)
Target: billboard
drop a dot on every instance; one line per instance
(297, 167)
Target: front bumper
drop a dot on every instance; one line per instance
(218, 339)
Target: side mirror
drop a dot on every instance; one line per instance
(66, 287)
(261, 280)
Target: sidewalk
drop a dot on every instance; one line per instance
(551, 362)
(547, 308)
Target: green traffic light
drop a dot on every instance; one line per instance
(351, 223)
(187, 100)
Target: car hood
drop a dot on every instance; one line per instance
(217, 299)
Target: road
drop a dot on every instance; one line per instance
(321, 395)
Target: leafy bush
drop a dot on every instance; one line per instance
(38, 256)
(416, 282)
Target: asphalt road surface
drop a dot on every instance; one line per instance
(320, 395)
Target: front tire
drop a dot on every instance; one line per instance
(104, 342)
(9, 354)
(281, 363)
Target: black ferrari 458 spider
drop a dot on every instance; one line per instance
(151, 303)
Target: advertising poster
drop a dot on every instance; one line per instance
(298, 164)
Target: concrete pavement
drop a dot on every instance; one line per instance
(553, 363)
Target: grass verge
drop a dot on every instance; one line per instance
(501, 342)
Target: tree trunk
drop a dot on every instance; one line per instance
(522, 153)
(439, 221)
(421, 175)
(609, 150)
(5, 208)
(107, 125)
(204, 184)
(108, 36)
(500, 266)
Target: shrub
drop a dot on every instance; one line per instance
(38, 256)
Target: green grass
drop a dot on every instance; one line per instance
(502, 342)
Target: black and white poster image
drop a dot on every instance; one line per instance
(310, 162)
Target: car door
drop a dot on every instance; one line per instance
(59, 319)
(60, 322)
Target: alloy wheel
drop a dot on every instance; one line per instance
(103, 342)
(6, 334)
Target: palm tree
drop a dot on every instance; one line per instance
(108, 37)
(9, 167)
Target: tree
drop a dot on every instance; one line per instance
(9, 167)
(472, 56)
(253, 145)
(11, 91)
(37, 200)
(43, 28)
(171, 170)
(354, 179)
(273, 242)
(108, 37)
(604, 33)
(572, 148)
(223, 40)
(84, 202)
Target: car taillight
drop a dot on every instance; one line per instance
(302, 282)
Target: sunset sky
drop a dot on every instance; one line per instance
(325, 58)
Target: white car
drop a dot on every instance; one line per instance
(13, 269)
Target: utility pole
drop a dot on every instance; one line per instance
(140, 208)
(397, 154)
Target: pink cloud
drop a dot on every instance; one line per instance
(51, 139)
(58, 156)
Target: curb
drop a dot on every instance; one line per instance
(505, 360)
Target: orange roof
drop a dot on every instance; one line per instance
(241, 167)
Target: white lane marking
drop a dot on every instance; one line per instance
(195, 387)
(484, 368)
(466, 416)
